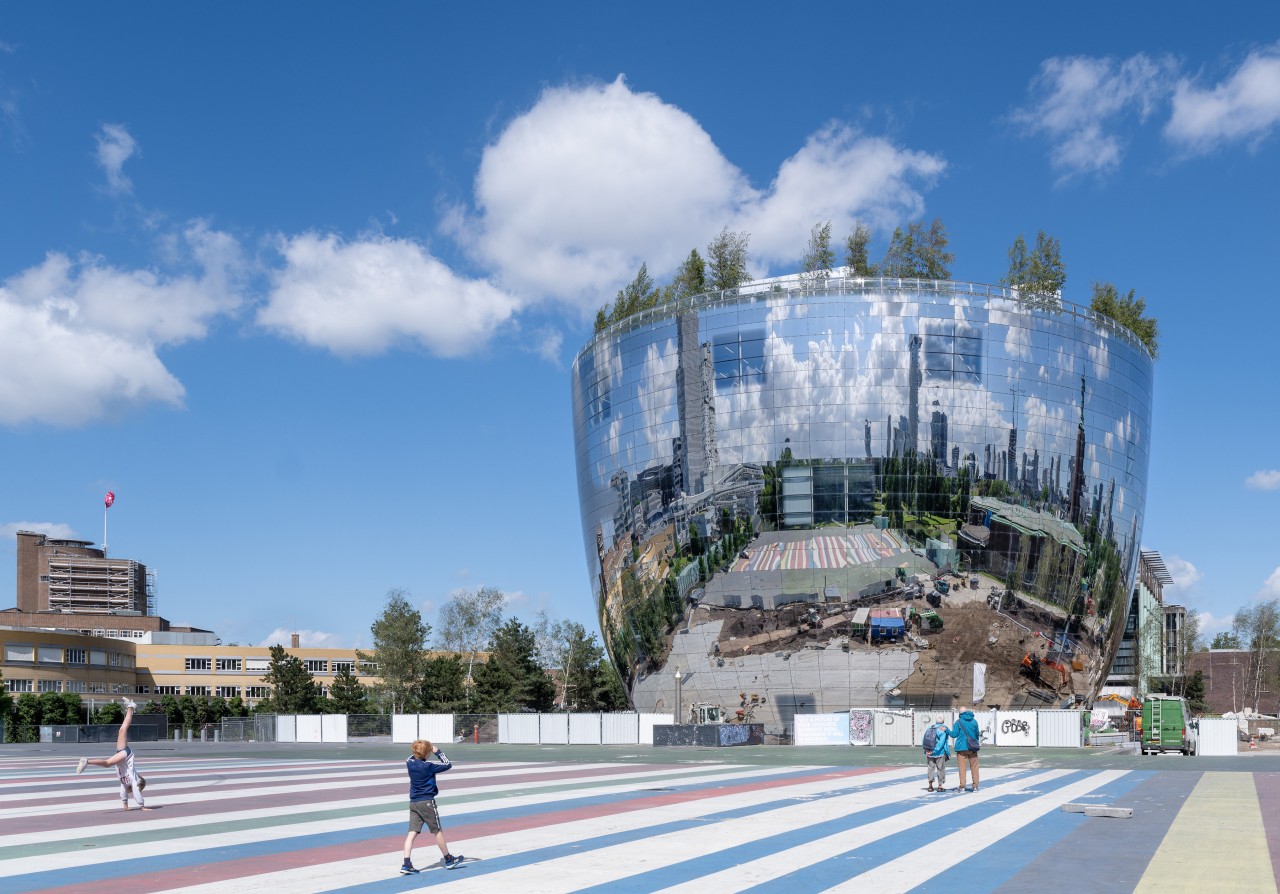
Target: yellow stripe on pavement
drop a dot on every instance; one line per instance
(1217, 842)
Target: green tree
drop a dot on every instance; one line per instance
(347, 694)
(1129, 312)
(399, 648)
(691, 276)
(856, 257)
(109, 713)
(589, 682)
(1258, 628)
(511, 679)
(293, 689)
(1227, 639)
(727, 260)
(636, 295)
(918, 252)
(468, 621)
(443, 688)
(6, 707)
(1039, 274)
(1195, 693)
(818, 256)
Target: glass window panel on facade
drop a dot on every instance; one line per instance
(837, 445)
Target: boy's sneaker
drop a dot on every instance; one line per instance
(453, 862)
(130, 703)
(407, 869)
(81, 764)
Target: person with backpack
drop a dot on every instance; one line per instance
(968, 740)
(936, 753)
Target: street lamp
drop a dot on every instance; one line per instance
(677, 716)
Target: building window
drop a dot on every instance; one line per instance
(98, 657)
(144, 690)
(50, 654)
(258, 692)
(227, 692)
(197, 690)
(95, 688)
(257, 665)
(115, 658)
(369, 668)
(199, 664)
(738, 357)
(50, 686)
(19, 652)
(75, 686)
(317, 665)
(166, 690)
(324, 691)
(339, 664)
(228, 664)
(16, 685)
(77, 656)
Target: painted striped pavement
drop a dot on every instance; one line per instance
(233, 825)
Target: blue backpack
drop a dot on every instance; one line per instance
(931, 739)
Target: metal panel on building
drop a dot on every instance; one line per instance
(1014, 729)
(1218, 736)
(894, 727)
(622, 728)
(553, 729)
(1059, 729)
(584, 729)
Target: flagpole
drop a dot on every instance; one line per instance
(104, 531)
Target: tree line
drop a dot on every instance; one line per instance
(917, 252)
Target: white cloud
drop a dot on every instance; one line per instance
(307, 639)
(54, 530)
(1080, 104)
(592, 181)
(362, 297)
(841, 176)
(1245, 106)
(1211, 624)
(116, 146)
(547, 344)
(1264, 479)
(1271, 586)
(1185, 575)
(82, 336)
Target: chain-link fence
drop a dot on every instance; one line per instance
(144, 728)
(477, 728)
(369, 726)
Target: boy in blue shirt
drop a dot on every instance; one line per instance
(422, 803)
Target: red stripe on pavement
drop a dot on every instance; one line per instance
(165, 880)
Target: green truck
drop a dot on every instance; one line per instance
(1165, 725)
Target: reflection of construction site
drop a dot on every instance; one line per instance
(900, 647)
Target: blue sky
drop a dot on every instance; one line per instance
(301, 283)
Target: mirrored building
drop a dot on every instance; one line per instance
(763, 473)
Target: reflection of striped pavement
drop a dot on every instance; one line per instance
(290, 826)
(824, 551)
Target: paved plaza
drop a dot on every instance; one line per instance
(302, 818)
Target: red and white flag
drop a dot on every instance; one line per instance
(109, 499)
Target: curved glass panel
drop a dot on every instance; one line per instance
(765, 477)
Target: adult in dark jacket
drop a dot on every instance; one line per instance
(968, 739)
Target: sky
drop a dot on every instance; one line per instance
(302, 283)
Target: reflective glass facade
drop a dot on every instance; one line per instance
(789, 444)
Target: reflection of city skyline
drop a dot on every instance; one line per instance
(685, 423)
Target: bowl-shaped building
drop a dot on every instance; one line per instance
(792, 492)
